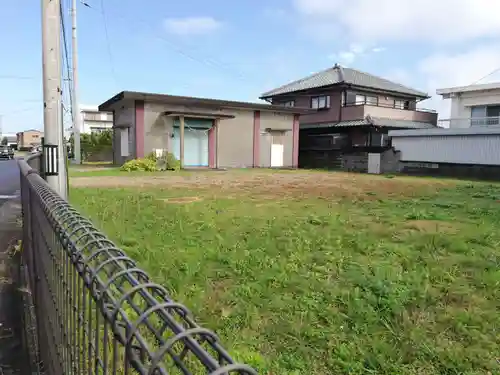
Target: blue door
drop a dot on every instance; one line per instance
(195, 142)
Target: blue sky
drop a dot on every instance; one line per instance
(239, 49)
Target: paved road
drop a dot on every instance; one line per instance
(13, 358)
(9, 178)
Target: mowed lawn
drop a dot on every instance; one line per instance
(319, 272)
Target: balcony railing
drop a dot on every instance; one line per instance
(388, 105)
(468, 122)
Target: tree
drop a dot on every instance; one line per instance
(94, 142)
(5, 141)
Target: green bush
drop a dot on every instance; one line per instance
(152, 156)
(143, 165)
(93, 143)
(173, 164)
(151, 163)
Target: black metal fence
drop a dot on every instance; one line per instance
(91, 310)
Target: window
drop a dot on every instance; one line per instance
(290, 103)
(485, 115)
(371, 100)
(320, 102)
(401, 104)
(351, 98)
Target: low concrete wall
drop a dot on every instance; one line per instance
(355, 162)
(389, 162)
(102, 155)
(467, 171)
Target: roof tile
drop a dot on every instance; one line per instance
(338, 74)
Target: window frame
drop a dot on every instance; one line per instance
(359, 99)
(289, 103)
(318, 99)
(405, 104)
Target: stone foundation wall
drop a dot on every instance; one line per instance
(329, 159)
(102, 155)
(466, 171)
(355, 162)
(389, 162)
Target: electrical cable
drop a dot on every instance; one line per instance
(486, 76)
(66, 60)
(7, 76)
(206, 61)
(108, 44)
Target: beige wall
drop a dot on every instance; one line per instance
(30, 137)
(276, 121)
(235, 137)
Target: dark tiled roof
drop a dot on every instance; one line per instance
(373, 121)
(401, 124)
(338, 74)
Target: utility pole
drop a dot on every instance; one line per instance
(54, 148)
(77, 119)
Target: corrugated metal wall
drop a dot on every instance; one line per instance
(461, 149)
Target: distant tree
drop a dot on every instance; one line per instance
(5, 141)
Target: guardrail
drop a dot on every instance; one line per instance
(91, 310)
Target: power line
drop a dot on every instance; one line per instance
(487, 75)
(21, 110)
(66, 59)
(206, 61)
(6, 76)
(108, 45)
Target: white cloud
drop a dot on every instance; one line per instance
(354, 51)
(394, 20)
(192, 25)
(443, 70)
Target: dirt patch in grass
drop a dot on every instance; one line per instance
(433, 226)
(337, 185)
(181, 200)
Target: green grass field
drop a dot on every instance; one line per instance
(322, 273)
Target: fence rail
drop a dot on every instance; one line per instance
(93, 310)
(468, 122)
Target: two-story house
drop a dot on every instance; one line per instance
(95, 121)
(474, 105)
(354, 112)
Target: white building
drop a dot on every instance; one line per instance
(93, 121)
(475, 105)
(470, 143)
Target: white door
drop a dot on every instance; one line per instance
(374, 163)
(276, 155)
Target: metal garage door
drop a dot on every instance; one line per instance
(195, 142)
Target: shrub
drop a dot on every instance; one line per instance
(165, 162)
(143, 165)
(173, 164)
